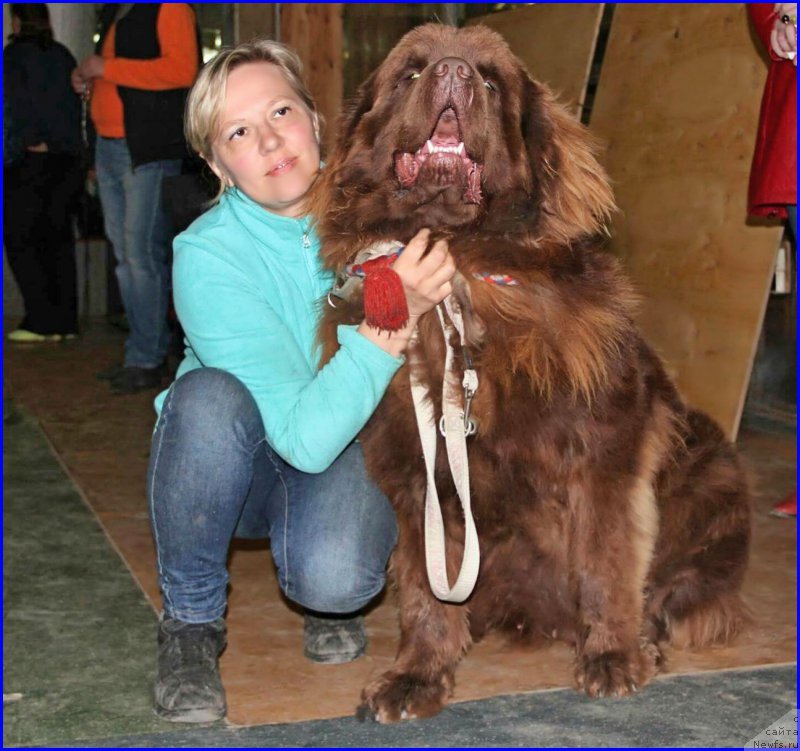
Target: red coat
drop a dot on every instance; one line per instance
(773, 175)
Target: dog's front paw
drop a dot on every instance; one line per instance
(607, 674)
(402, 696)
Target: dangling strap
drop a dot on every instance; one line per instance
(455, 428)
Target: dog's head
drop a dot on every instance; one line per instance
(451, 131)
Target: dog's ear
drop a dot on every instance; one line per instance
(574, 193)
(353, 111)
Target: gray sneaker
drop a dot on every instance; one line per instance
(188, 687)
(333, 639)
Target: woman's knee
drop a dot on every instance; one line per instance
(208, 402)
(330, 579)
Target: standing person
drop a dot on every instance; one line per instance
(773, 175)
(254, 439)
(146, 59)
(42, 175)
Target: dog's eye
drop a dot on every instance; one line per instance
(415, 74)
(489, 85)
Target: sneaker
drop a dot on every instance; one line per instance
(132, 379)
(25, 336)
(188, 687)
(333, 639)
(787, 508)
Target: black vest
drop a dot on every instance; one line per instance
(153, 119)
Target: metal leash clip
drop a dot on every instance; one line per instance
(470, 384)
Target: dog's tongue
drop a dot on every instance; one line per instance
(446, 131)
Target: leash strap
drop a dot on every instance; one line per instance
(455, 425)
(456, 444)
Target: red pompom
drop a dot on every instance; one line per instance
(385, 306)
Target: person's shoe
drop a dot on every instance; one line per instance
(787, 508)
(110, 373)
(332, 639)
(188, 687)
(24, 336)
(132, 380)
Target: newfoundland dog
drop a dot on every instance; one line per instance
(608, 513)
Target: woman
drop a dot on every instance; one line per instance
(43, 181)
(773, 174)
(253, 440)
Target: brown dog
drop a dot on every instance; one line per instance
(609, 514)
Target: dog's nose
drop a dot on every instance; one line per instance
(453, 68)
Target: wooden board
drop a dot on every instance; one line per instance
(677, 102)
(556, 42)
(253, 20)
(314, 30)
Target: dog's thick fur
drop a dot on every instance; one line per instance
(609, 514)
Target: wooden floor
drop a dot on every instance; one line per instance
(104, 441)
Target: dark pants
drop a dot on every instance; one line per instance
(38, 203)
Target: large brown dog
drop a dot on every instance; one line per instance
(609, 514)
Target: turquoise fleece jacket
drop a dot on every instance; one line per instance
(248, 288)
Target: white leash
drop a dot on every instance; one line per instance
(456, 426)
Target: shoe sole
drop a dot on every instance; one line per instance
(334, 659)
(197, 715)
(42, 339)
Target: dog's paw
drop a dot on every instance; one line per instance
(401, 696)
(607, 674)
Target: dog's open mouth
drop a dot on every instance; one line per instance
(442, 160)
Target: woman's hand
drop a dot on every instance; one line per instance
(79, 84)
(783, 37)
(426, 282)
(92, 67)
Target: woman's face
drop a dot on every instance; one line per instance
(267, 142)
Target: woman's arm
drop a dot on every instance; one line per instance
(309, 417)
(25, 116)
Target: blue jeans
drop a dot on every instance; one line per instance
(138, 228)
(213, 476)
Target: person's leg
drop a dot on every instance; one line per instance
(144, 271)
(331, 537)
(787, 507)
(111, 163)
(200, 477)
(24, 219)
(64, 178)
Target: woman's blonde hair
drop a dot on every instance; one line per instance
(207, 97)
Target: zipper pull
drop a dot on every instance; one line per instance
(306, 241)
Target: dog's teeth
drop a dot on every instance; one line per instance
(432, 148)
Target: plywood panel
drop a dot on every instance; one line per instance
(678, 102)
(253, 20)
(556, 43)
(314, 30)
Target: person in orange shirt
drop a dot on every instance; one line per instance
(145, 61)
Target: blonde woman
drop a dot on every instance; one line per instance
(253, 439)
